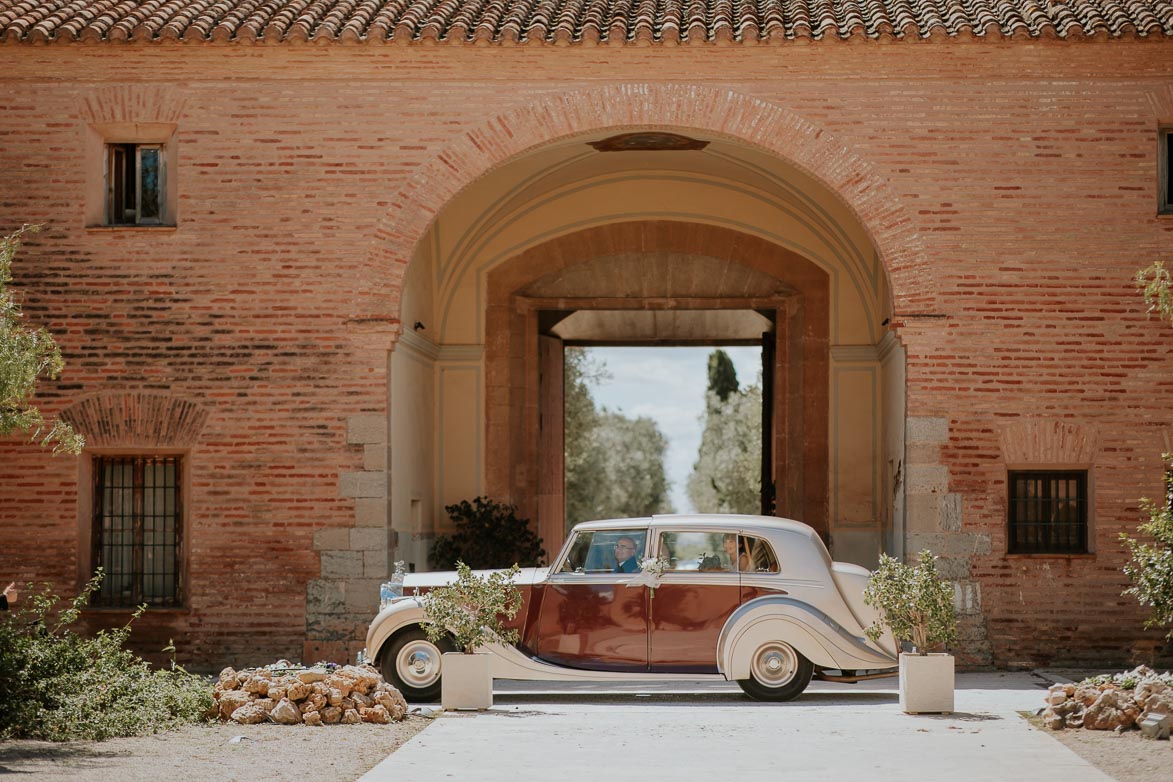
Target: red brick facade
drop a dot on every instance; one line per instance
(1010, 190)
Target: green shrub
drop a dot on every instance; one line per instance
(488, 535)
(1151, 563)
(473, 609)
(913, 601)
(59, 685)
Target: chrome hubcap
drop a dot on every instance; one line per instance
(775, 664)
(418, 664)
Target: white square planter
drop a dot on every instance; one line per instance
(466, 681)
(926, 683)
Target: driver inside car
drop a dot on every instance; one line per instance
(625, 560)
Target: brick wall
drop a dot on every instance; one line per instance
(1010, 188)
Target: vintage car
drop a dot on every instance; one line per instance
(756, 600)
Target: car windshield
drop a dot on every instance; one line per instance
(605, 551)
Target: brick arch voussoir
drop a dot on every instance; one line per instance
(138, 420)
(765, 126)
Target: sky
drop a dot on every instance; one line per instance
(668, 386)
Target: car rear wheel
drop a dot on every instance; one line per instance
(412, 663)
(777, 672)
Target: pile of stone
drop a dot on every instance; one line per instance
(1121, 702)
(292, 695)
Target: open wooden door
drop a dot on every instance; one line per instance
(769, 491)
(551, 445)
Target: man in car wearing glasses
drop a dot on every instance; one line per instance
(625, 560)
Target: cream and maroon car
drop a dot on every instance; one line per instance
(751, 599)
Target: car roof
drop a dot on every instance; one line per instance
(706, 520)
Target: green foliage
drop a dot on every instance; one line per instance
(473, 609)
(632, 481)
(585, 463)
(1150, 568)
(27, 355)
(614, 464)
(727, 475)
(59, 685)
(488, 535)
(1156, 282)
(722, 375)
(1151, 563)
(913, 601)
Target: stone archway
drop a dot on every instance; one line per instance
(467, 421)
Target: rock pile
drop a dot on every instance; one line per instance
(1119, 702)
(310, 696)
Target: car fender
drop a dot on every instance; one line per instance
(403, 612)
(810, 631)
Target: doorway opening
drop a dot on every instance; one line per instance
(663, 429)
(650, 414)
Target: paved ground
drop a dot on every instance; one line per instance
(685, 731)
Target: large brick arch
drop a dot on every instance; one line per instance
(722, 112)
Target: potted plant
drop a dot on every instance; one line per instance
(917, 606)
(471, 611)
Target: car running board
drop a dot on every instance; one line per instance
(857, 676)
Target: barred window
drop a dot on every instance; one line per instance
(1169, 489)
(1048, 512)
(1165, 170)
(138, 525)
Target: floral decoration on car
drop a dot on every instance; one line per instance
(653, 566)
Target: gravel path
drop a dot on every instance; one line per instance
(1127, 757)
(267, 753)
(274, 753)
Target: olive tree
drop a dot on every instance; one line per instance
(27, 355)
(1151, 565)
(1156, 283)
(614, 463)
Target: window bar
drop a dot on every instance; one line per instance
(99, 494)
(137, 526)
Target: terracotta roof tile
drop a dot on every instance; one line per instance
(639, 22)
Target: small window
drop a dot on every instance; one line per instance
(1165, 170)
(1048, 512)
(138, 525)
(134, 184)
(698, 551)
(760, 556)
(716, 552)
(606, 551)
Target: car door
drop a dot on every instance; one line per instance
(697, 591)
(590, 617)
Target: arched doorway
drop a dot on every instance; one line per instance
(627, 236)
(685, 283)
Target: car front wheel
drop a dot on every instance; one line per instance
(412, 663)
(777, 672)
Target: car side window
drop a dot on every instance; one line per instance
(697, 551)
(760, 555)
(606, 551)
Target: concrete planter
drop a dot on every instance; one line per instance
(926, 683)
(466, 681)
